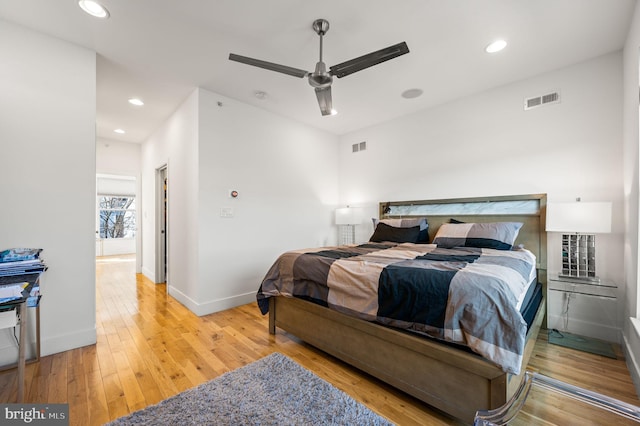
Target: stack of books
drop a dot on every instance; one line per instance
(21, 261)
(19, 264)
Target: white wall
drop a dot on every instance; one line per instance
(47, 132)
(115, 185)
(174, 144)
(115, 246)
(286, 174)
(487, 144)
(631, 164)
(118, 158)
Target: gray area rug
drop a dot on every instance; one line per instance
(274, 390)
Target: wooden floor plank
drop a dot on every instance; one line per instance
(78, 392)
(57, 381)
(150, 347)
(97, 407)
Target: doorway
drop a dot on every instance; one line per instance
(116, 216)
(162, 214)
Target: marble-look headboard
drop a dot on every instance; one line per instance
(530, 209)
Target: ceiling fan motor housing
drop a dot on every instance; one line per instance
(320, 77)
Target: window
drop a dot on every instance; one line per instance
(117, 216)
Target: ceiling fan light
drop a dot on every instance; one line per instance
(94, 8)
(496, 46)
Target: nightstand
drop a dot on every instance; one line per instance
(606, 290)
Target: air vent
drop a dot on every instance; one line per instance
(537, 101)
(359, 146)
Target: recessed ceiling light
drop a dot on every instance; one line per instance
(136, 102)
(496, 46)
(119, 131)
(94, 8)
(334, 111)
(412, 93)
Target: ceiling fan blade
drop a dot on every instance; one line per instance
(268, 65)
(324, 100)
(369, 60)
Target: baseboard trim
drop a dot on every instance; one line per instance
(149, 274)
(64, 342)
(212, 306)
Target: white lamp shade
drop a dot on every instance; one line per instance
(579, 217)
(348, 216)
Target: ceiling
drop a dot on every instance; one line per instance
(160, 50)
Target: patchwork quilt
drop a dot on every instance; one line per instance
(466, 295)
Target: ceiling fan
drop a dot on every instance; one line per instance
(320, 79)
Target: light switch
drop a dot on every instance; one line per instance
(226, 212)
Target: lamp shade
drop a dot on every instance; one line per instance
(348, 216)
(579, 217)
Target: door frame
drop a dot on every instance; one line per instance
(162, 225)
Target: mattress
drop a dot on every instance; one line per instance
(532, 303)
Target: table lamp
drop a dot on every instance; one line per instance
(346, 219)
(579, 222)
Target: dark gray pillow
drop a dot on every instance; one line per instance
(385, 232)
(423, 237)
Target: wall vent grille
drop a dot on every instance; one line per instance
(537, 101)
(359, 146)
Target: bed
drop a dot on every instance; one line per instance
(458, 380)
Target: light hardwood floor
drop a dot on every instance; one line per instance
(151, 347)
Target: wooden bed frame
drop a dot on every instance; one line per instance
(453, 380)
